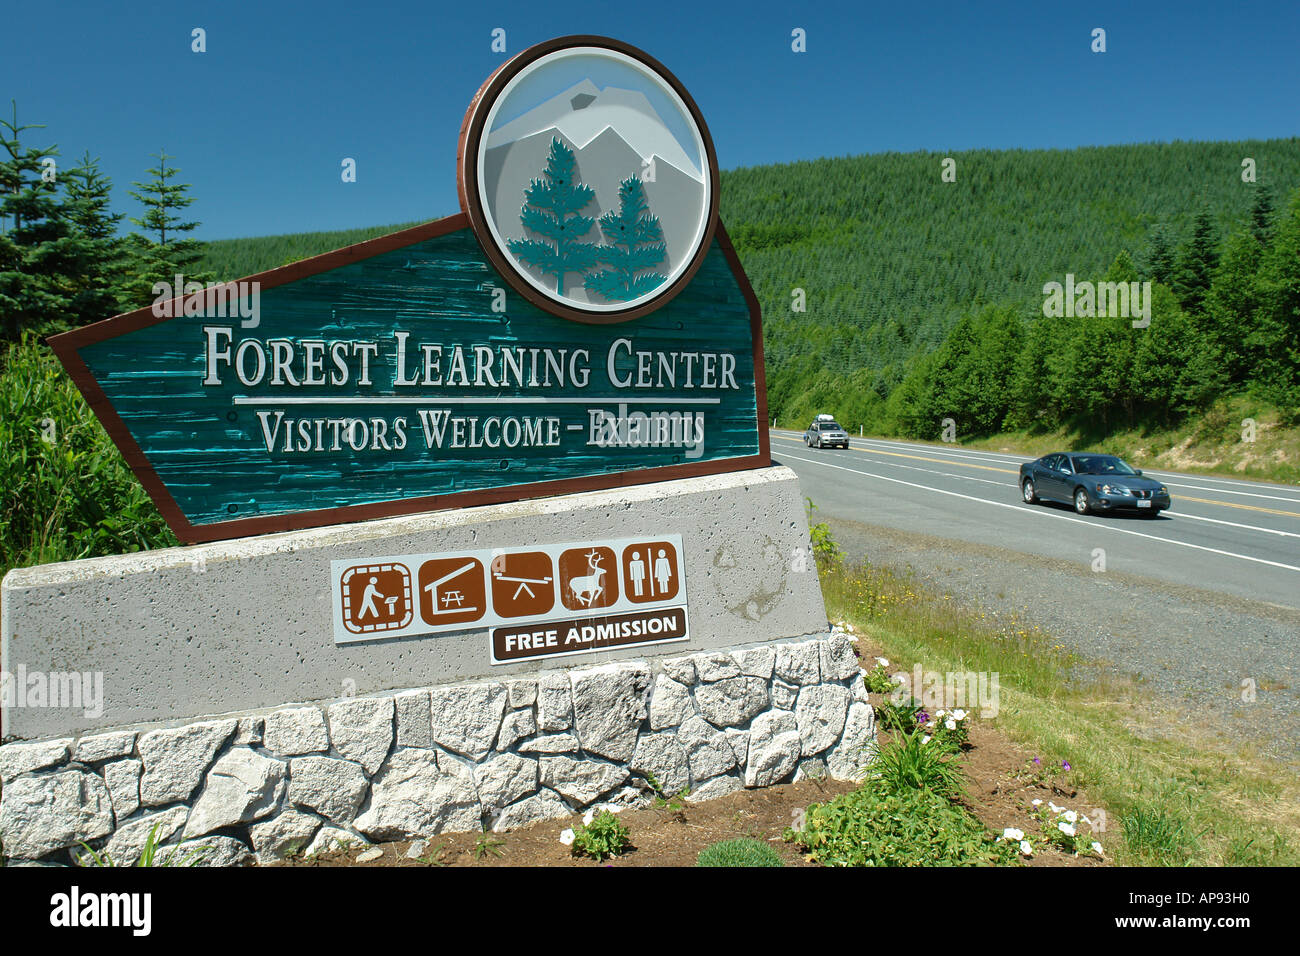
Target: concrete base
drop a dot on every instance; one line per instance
(247, 624)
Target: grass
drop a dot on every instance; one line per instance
(740, 852)
(1173, 801)
(66, 492)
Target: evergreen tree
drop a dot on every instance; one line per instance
(634, 246)
(1275, 335)
(168, 253)
(1196, 264)
(93, 284)
(32, 227)
(552, 208)
(1232, 302)
(1261, 215)
(1160, 256)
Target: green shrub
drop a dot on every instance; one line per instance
(916, 761)
(743, 852)
(602, 838)
(65, 491)
(907, 827)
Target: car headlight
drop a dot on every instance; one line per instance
(1163, 490)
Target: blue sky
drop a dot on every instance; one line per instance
(260, 123)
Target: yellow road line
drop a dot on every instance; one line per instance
(1233, 504)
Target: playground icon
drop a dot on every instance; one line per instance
(522, 583)
(376, 597)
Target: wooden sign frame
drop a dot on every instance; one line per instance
(67, 345)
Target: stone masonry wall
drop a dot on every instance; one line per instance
(501, 754)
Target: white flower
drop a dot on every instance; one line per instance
(882, 662)
(588, 817)
(950, 724)
(850, 637)
(939, 713)
(959, 715)
(567, 837)
(1096, 848)
(1011, 833)
(1038, 803)
(925, 739)
(1066, 828)
(1054, 808)
(1026, 848)
(849, 628)
(1071, 816)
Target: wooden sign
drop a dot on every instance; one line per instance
(411, 373)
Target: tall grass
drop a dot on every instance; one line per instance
(65, 491)
(1172, 800)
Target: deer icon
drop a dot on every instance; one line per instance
(588, 588)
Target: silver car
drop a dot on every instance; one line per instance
(825, 432)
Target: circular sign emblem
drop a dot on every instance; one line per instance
(590, 178)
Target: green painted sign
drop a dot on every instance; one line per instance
(584, 323)
(412, 374)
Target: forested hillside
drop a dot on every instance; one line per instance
(922, 297)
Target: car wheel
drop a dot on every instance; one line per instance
(1081, 502)
(1027, 489)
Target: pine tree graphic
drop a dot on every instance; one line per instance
(551, 209)
(635, 245)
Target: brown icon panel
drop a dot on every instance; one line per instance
(523, 583)
(452, 590)
(651, 572)
(588, 578)
(376, 597)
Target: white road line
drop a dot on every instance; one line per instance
(1029, 510)
(1171, 478)
(1008, 484)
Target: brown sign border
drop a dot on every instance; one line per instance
(66, 344)
(471, 133)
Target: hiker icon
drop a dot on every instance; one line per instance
(376, 597)
(650, 572)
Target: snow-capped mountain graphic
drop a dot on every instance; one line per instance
(584, 111)
(613, 133)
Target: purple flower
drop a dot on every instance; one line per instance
(1037, 762)
(921, 717)
(1065, 764)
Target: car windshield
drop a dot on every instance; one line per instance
(1101, 465)
(831, 426)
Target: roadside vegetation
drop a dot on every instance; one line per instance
(1168, 801)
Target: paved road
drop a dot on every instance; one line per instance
(1193, 602)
